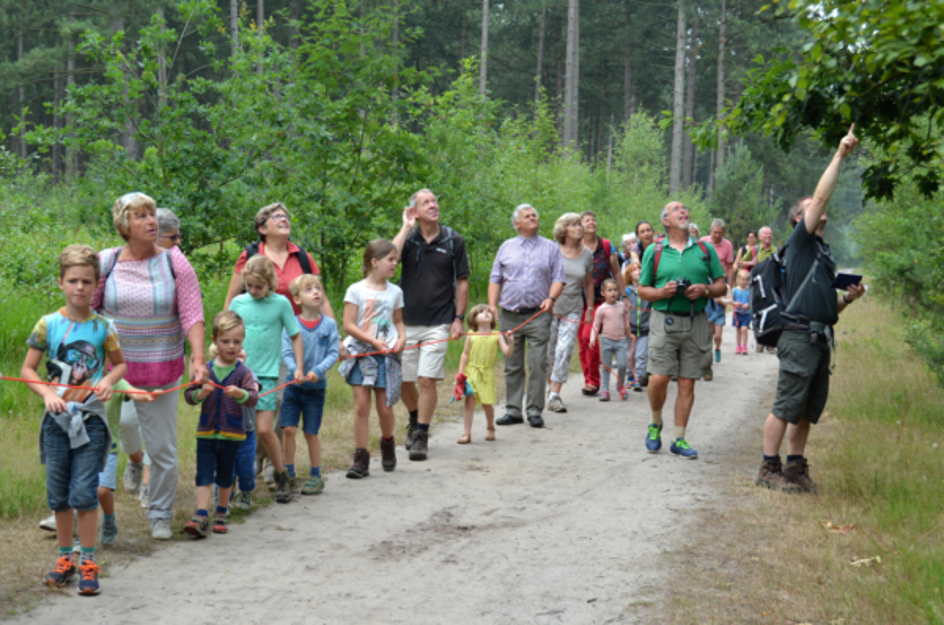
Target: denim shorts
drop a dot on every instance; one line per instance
(216, 461)
(299, 401)
(357, 378)
(716, 313)
(109, 476)
(72, 474)
(270, 401)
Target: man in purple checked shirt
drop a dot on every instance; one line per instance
(528, 273)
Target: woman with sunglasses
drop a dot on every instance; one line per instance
(153, 296)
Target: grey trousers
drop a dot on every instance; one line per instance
(159, 425)
(536, 333)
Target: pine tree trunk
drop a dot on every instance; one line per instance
(609, 149)
(162, 69)
(678, 103)
(260, 28)
(395, 93)
(559, 79)
(688, 160)
(540, 68)
(462, 33)
(293, 30)
(22, 90)
(719, 154)
(57, 123)
(572, 76)
(71, 154)
(483, 70)
(234, 25)
(629, 94)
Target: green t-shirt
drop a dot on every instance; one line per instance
(689, 263)
(265, 318)
(763, 254)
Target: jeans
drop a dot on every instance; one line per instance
(611, 349)
(305, 404)
(216, 461)
(72, 474)
(641, 356)
(246, 463)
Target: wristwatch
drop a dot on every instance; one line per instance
(460, 317)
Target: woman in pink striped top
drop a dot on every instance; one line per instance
(153, 296)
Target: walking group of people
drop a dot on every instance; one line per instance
(135, 307)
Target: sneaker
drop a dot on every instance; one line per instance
(160, 529)
(361, 466)
(654, 438)
(283, 490)
(257, 467)
(410, 434)
(64, 571)
(198, 526)
(313, 485)
(294, 485)
(219, 523)
(636, 386)
(269, 476)
(555, 404)
(144, 495)
(109, 532)
(771, 476)
(710, 376)
(420, 445)
(771, 350)
(88, 578)
(644, 382)
(49, 523)
(243, 501)
(388, 454)
(604, 396)
(624, 394)
(132, 477)
(760, 349)
(682, 449)
(717, 355)
(798, 472)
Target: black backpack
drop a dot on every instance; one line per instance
(770, 309)
(253, 248)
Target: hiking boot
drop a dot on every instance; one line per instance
(219, 523)
(88, 578)
(64, 571)
(243, 501)
(771, 476)
(388, 454)
(313, 485)
(420, 445)
(410, 433)
(654, 438)
(682, 449)
(283, 487)
(798, 472)
(361, 466)
(132, 476)
(109, 532)
(198, 526)
(160, 529)
(555, 404)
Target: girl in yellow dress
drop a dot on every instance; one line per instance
(477, 366)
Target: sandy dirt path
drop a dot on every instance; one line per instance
(564, 524)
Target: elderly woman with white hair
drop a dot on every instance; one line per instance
(153, 297)
(528, 274)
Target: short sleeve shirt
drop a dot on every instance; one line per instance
(286, 273)
(265, 319)
(575, 270)
(428, 275)
(689, 263)
(602, 269)
(725, 252)
(817, 301)
(75, 351)
(375, 310)
(763, 254)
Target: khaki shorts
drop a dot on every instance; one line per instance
(803, 383)
(428, 361)
(679, 345)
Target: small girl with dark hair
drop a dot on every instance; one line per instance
(373, 320)
(477, 367)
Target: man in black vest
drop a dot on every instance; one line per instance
(435, 280)
(803, 384)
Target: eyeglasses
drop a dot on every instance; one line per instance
(279, 217)
(174, 238)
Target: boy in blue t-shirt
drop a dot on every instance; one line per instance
(74, 440)
(320, 338)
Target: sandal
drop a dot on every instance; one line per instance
(465, 440)
(490, 434)
(590, 390)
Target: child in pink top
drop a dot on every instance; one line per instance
(609, 323)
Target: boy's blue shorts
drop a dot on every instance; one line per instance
(216, 461)
(298, 402)
(72, 474)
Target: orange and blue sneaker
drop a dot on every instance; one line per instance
(682, 449)
(88, 578)
(64, 571)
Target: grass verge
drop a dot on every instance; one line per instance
(765, 557)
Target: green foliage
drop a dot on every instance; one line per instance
(874, 63)
(738, 197)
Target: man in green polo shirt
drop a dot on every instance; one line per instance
(679, 336)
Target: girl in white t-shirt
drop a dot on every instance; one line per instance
(373, 320)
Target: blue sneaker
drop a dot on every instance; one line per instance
(88, 583)
(654, 438)
(682, 449)
(109, 532)
(717, 355)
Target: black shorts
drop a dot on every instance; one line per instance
(803, 384)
